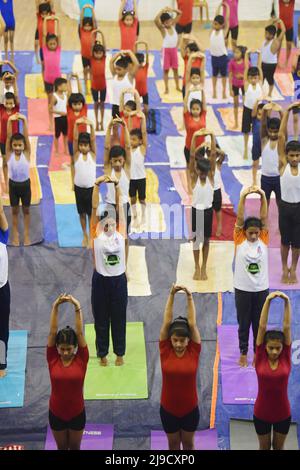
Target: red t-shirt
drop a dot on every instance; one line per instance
(86, 41)
(192, 126)
(195, 64)
(179, 378)
(98, 73)
(66, 400)
(4, 116)
(186, 6)
(141, 80)
(128, 35)
(135, 123)
(72, 118)
(286, 13)
(272, 404)
(40, 26)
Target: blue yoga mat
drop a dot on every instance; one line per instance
(13, 385)
(68, 226)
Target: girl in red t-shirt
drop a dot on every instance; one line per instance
(128, 23)
(87, 25)
(141, 77)
(180, 346)
(273, 366)
(98, 78)
(67, 357)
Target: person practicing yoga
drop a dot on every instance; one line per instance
(251, 272)
(289, 209)
(109, 283)
(4, 292)
(67, 357)
(273, 367)
(180, 347)
(202, 173)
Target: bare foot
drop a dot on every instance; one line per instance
(119, 361)
(15, 241)
(293, 277)
(203, 274)
(254, 360)
(2, 373)
(243, 360)
(219, 232)
(85, 241)
(285, 276)
(197, 274)
(224, 96)
(27, 241)
(178, 89)
(103, 362)
(166, 91)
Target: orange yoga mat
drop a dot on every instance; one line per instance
(61, 161)
(38, 120)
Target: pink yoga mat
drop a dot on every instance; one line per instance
(95, 437)
(38, 119)
(204, 440)
(253, 207)
(59, 162)
(275, 271)
(282, 58)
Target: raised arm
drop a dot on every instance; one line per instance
(158, 22)
(263, 322)
(78, 322)
(265, 315)
(168, 314)
(282, 160)
(3, 219)
(121, 9)
(127, 165)
(114, 58)
(27, 151)
(191, 316)
(276, 45)
(263, 207)
(287, 320)
(227, 15)
(107, 145)
(62, 298)
(264, 121)
(259, 66)
(240, 216)
(247, 65)
(135, 63)
(144, 132)
(14, 117)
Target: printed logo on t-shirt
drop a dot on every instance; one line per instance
(112, 260)
(253, 268)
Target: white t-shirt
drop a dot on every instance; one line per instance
(110, 254)
(3, 258)
(251, 271)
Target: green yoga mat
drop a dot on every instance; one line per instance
(128, 382)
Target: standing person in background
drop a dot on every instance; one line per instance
(233, 22)
(141, 77)
(251, 271)
(180, 347)
(67, 357)
(269, 53)
(273, 367)
(98, 79)
(218, 50)
(87, 26)
(4, 292)
(166, 22)
(236, 79)
(185, 23)
(128, 23)
(44, 9)
(123, 78)
(286, 15)
(296, 78)
(256, 147)
(7, 12)
(58, 108)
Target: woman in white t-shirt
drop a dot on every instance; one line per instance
(4, 292)
(251, 276)
(109, 283)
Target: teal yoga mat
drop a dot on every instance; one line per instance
(12, 386)
(68, 226)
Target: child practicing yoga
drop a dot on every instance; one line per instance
(18, 151)
(141, 77)
(166, 22)
(202, 173)
(58, 108)
(128, 23)
(44, 10)
(123, 76)
(7, 12)
(236, 79)
(84, 148)
(87, 25)
(256, 147)
(218, 50)
(269, 53)
(98, 79)
(51, 54)
(193, 55)
(137, 186)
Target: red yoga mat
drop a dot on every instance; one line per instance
(228, 222)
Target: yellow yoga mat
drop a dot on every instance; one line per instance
(138, 285)
(173, 96)
(155, 219)
(219, 268)
(61, 187)
(34, 86)
(228, 118)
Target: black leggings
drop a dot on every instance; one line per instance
(4, 324)
(109, 306)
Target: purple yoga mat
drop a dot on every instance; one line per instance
(253, 207)
(239, 384)
(275, 271)
(204, 440)
(95, 437)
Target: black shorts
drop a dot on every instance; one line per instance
(49, 88)
(86, 62)
(138, 187)
(75, 424)
(146, 99)
(217, 202)
(197, 226)
(187, 154)
(83, 198)
(172, 424)
(289, 223)
(61, 126)
(269, 184)
(183, 91)
(234, 33)
(289, 34)
(36, 37)
(115, 110)
(99, 94)
(268, 71)
(41, 55)
(236, 90)
(247, 120)
(186, 29)
(3, 149)
(262, 427)
(219, 65)
(19, 191)
(10, 28)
